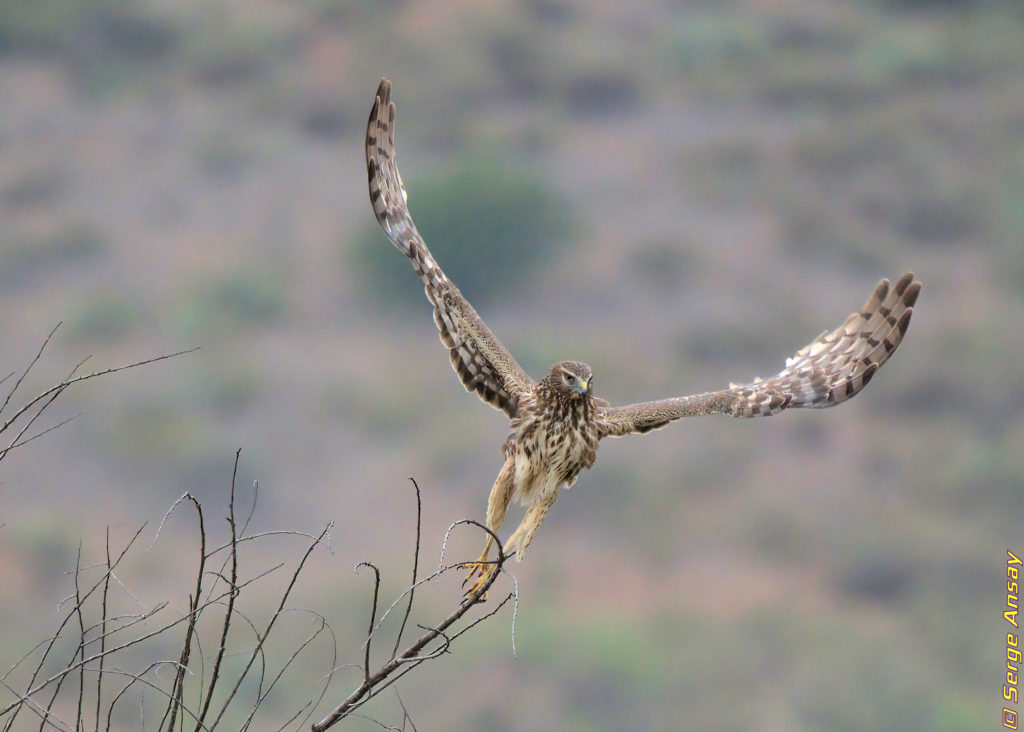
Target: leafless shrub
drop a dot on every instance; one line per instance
(86, 672)
(436, 641)
(212, 665)
(17, 421)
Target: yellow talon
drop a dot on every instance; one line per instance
(480, 567)
(485, 571)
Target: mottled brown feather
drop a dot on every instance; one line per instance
(482, 363)
(828, 370)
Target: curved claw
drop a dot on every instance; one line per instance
(485, 570)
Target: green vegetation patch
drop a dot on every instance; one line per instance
(230, 301)
(27, 257)
(488, 222)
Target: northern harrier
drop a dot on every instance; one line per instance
(557, 422)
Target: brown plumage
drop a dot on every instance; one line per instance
(557, 422)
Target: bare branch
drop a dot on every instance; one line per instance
(280, 673)
(95, 636)
(44, 400)
(232, 583)
(373, 616)
(103, 633)
(86, 377)
(139, 677)
(18, 442)
(270, 625)
(415, 568)
(413, 655)
(81, 636)
(51, 641)
(39, 412)
(279, 532)
(179, 680)
(39, 354)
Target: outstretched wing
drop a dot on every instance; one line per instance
(827, 371)
(483, 364)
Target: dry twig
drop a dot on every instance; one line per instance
(19, 419)
(107, 631)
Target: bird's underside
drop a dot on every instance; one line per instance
(557, 422)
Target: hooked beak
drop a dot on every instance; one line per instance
(583, 386)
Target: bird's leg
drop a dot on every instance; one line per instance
(522, 536)
(519, 540)
(497, 506)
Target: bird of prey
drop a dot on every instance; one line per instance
(557, 422)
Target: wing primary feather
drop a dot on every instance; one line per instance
(832, 368)
(479, 359)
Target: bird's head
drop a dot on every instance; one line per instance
(571, 378)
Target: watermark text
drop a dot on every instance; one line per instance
(1013, 641)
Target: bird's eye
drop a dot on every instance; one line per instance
(570, 378)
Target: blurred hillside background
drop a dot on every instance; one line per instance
(678, 194)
